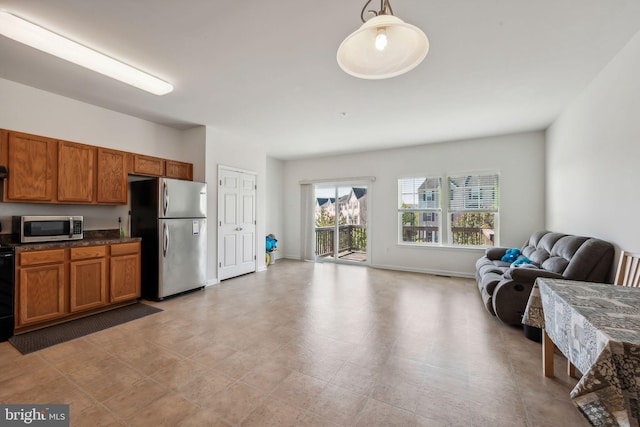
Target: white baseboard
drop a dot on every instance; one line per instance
(425, 270)
(211, 282)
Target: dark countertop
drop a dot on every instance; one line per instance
(91, 238)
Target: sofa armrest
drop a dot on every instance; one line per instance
(510, 301)
(529, 275)
(495, 253)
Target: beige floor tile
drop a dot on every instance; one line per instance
(96, 416)
(237, 365)
(338, 405)
(266, 376)
(273, 413)
(202, 417)
(299, 390)
(201, 388)
(105, 379)
(304, 344)
(404, 396)
(169, 410)
(177, 373)
(129, 401)
(72, 355)
(380, 414)
(235, 402)
(58, 391)
(356, 378)
(25, 377)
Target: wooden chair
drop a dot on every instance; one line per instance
(628, 273)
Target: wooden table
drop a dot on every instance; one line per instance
(597, 327)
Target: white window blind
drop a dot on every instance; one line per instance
(419, 193)
(478, 193)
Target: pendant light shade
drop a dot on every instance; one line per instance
(383, 47)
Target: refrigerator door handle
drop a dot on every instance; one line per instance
(165, 240)
(165, 198)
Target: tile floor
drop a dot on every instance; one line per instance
(303, 344)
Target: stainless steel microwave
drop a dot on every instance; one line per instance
(31, 229)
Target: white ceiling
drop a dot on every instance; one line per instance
(266, 71)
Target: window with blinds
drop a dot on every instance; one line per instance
(419, 210)
(474, 202)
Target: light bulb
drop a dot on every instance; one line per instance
(381, 39)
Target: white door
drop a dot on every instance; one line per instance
(236, 223)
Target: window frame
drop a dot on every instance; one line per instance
(480, 207)
(445, 212)
(433, 198)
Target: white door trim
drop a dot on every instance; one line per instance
(237, 196)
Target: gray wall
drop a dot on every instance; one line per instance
(592, 157)
(519, 158)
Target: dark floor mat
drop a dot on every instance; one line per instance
(43, 338)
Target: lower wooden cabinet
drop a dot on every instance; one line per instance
(56, 285)
(87, 278)
(42, 294)
(124, 274)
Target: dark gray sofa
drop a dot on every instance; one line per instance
(505, 289)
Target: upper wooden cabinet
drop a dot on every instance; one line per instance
(44, 170)
(113, 168)
(147, 165)
(179, 170)
(31, 162)
(76, 172)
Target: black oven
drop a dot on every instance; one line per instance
(7, 268)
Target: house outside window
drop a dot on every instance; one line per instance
(419, 210)
(472, 203)
(473, 209)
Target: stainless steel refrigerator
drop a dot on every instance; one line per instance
(171, 217)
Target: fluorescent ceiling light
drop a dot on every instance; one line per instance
(39, 38)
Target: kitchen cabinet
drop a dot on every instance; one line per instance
(32, 163)
(76, 172)
(41, 287)
(45, 170)
(179, 170)
(113, 169)
(87, 278)
(147, 165)
(58, 285)
(124, 281)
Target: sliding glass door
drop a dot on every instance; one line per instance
(340, 218)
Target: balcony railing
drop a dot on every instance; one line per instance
(460, 235)
(351, 238)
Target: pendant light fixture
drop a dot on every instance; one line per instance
(25, 32)
(383, 47)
